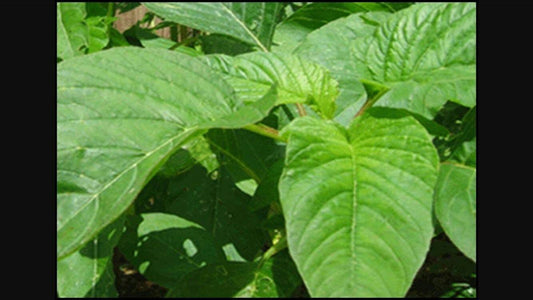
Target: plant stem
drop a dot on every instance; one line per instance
(277, 247)
(301, 110)
(265, 131)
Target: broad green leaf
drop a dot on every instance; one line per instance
(427, 55)
(89, 272)
(455, 205)
(120, 114)
(358, 202)
(267, 190)
(298, 81)
(246, 155)
(168, 247)
(297, 26)
(215, 220)
(277, 277)
(71, 31)
(329, 46)
(250, 22)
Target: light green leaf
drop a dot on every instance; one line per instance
(250, 22)
(329, 47)
(120, 114)
(298, 81)
(455, 206)
(89, 272)
(358, 202)
(277, 277)
(297, 26)
(426, 54)
(71, 31)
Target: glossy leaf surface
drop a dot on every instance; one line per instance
(121, 113)
(358, 202)
(425, 53)
(298, 81)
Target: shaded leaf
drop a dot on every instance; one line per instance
(89, 272)
(277, 277)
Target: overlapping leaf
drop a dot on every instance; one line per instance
(297, 26)
(277, 277)
(192, 220)
(357, 203)
(298, 81)
(121, 113)
(89, 272)
(425, 53)
(329, 47)
(71, 31)
(250, 22)
(455, 206)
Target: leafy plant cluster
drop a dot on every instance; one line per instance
(317, 144)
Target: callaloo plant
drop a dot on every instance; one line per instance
(289, 145)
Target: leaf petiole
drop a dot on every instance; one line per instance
(265, 131)
(374, 91)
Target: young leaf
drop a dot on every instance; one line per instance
(71, 31)
(120, 114)
(358, 202)
(455, 206)
(89, 272)
(250, 22)
(329, 47)
(298, 81)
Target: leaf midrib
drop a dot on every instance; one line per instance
(119, 175)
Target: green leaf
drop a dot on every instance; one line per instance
(120, 114)
(71, 31)
(295, 28)
(250, 22)
(277, 277)
(455, 206)
(426, 54)
(200, 216)
(358, 202)
(298, 81)
(97, 37)
(329, 46)
(89, 272)
(168, 247)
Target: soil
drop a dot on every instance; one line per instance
(130, 283)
